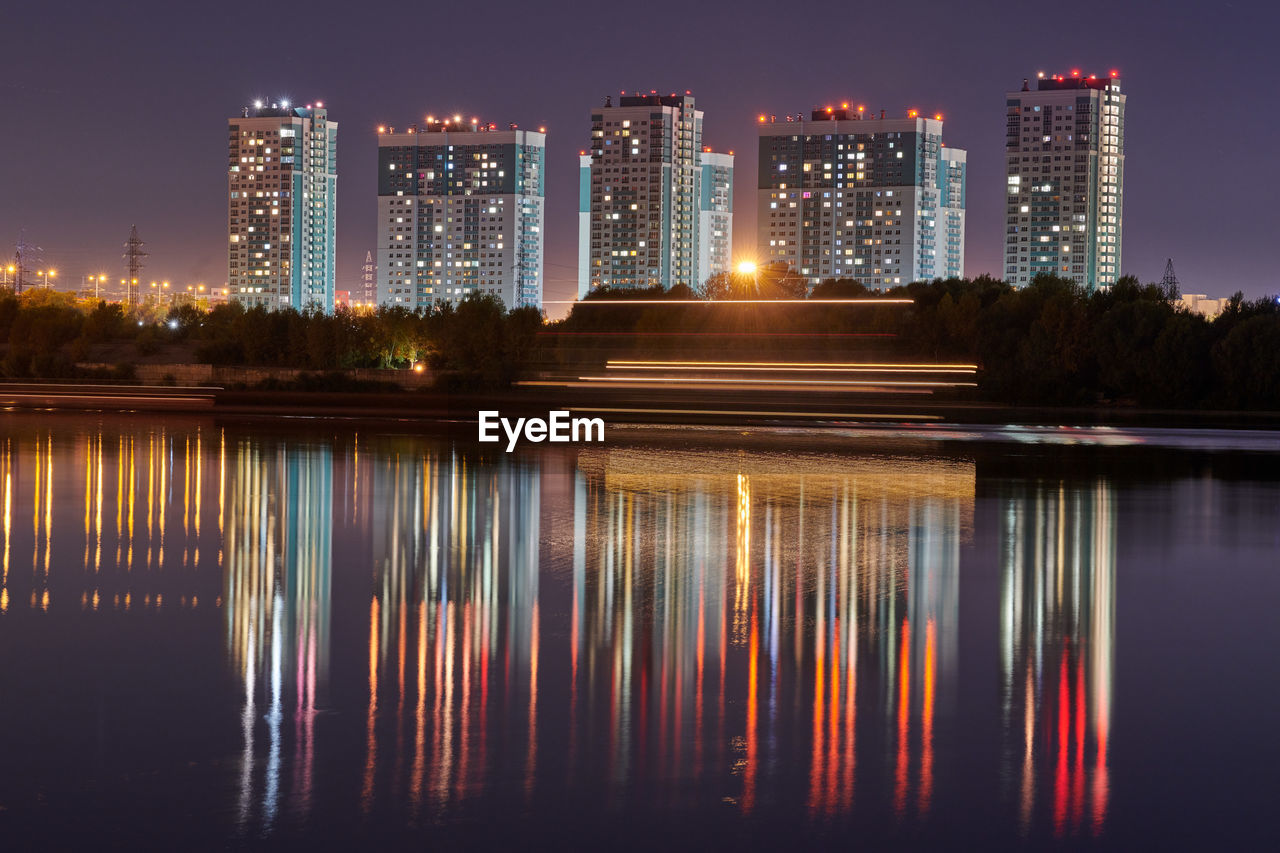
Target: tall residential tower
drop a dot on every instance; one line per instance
(460, 211)
(282, 182)
(843, 195)
(715, 215)
(641, 204)
(1064, 148)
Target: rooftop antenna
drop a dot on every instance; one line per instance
(133, 256)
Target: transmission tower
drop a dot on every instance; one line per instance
(25, 259)
(1170, 281)
(133, 256)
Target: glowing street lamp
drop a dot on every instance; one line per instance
(747, 268)
(46, 275)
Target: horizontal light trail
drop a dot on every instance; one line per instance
(796, 364)
(782, 369)
(741, 413)
(885, 301)
(721, 385)
(742, 381)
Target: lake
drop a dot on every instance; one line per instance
(304, 633)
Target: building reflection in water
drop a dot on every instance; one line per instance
(453, 624)
(655, 626)
(738, 612)
(277, 578)
(1057, 641)
(726, 614)
(136, 498)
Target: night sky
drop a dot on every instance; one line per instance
(115, 114)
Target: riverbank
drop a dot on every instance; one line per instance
(615, 406)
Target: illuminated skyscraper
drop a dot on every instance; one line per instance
(843, 195)
(282, 214)
(460, 211)
(715, 215)
(641, 200)
(1064, 147)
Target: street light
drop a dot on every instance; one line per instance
(9, 271)
(46, 275)
(749, 268)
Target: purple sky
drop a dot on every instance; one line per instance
(115, 114)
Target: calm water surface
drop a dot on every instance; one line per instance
(218, 634)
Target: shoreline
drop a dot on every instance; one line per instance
(723, 409)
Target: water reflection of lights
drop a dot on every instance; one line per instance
(277, 579)
(144, 478)
(455, 603)
(779, 627)
(843, 574)
(1057, 647)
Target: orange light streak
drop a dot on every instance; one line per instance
(819, 700)
(904, 718)
(930, 680)
(870, 365)
(731, 380)
(833, 718)
(784, 369)
(741, 413)
(371, 744)
(753, 694)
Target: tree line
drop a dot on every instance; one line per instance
(1049, 343)
(1052, 342)
(476, 343)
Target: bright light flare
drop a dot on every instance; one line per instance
(747, 267)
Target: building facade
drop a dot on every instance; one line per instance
(1064, 148)
(715, 215)
(640, 204)
(282, 183)
(842, 195)
(460, 212)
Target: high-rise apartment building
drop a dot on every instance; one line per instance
(1064, 148)
(460, 212)
(282, 182)
(640, 204)
(715, 215)
(844, 195)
